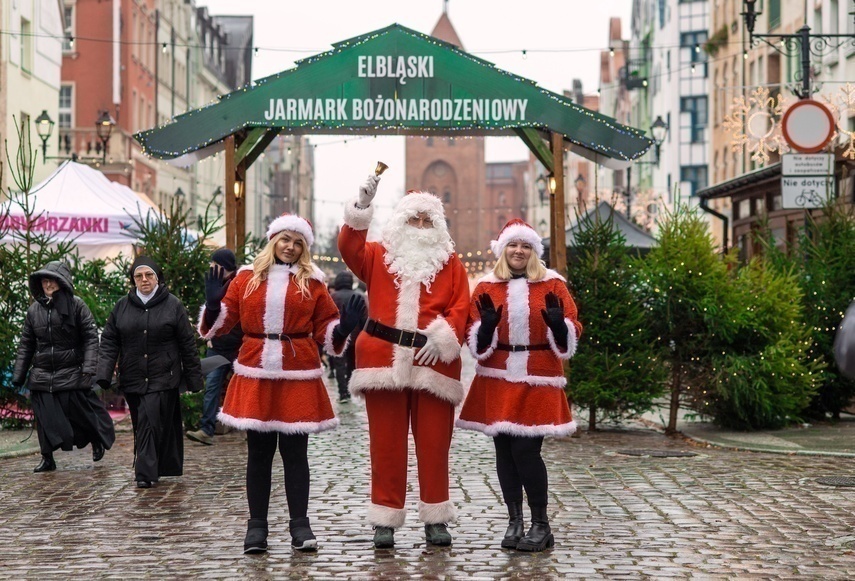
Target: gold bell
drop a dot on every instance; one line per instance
(381, 167)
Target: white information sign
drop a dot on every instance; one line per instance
(806, 192)
(807, 164)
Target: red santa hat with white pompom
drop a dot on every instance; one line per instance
(292, 223)
(517, 229)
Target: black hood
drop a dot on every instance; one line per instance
(343, 281)
(59, 271)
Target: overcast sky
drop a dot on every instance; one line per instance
(562, 40)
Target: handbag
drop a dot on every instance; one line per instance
(844, 343)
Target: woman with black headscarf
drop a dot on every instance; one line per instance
(150, 336)
(60, 341)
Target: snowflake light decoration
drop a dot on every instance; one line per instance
(842, 109)
(756, 124)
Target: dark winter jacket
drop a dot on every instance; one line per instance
(229, 344)
(153, 343)
(341, 293)
(60, 352)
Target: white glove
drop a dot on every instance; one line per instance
(367, 191)
(429, 354)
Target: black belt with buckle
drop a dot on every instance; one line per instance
(393, 335)
(278, 336)
(517, 348)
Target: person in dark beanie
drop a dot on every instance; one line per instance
(344, 365)
(227, 346)
(60, 341)
(150, 336)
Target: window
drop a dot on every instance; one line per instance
(26, 140)
(68, 20)
(834, 26)
(698, 115)
(692, 41)
(26, 45)
(774, 14)
(744, 209)
(696, 175)
(65, 107)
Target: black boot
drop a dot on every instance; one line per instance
(256, 536)
(302, 537)
(97, 451)
(46, 465)
(539, 536)
(515, 526)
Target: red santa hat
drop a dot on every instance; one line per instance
(517, 229)
(292, 223)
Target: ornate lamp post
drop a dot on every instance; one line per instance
(659, 131)
(103, 128)
(44, 127)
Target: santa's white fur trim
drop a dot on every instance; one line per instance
(415, 202)
(492, 278)
(423, 378)
(440, 512)
(407, 318)
(329, 347)
(571, 341)
(276, 426)
(493, 430)
(356, 217)
(386, 516)
(256, 373)
(473, 342)
(517, 232)
(442, 333)
(554, 381)
(292, 223)
(519, 332)
(218, 322)
(276, 290)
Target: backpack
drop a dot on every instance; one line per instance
(844, 343)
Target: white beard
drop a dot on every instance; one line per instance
(415, 254)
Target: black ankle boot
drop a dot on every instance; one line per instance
(302, 537)
(539, 536)
(256, 536)
(46, 465)
(515, 526)
(97, 451)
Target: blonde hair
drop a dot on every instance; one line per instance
(534, 270)
(267, 258)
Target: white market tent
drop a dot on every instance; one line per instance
(80, 203)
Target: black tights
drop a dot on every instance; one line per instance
(293, 448)
(519, 465)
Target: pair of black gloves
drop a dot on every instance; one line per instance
(215, 289)
(553, 316)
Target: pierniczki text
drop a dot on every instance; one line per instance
(396, 110)
(396, 67)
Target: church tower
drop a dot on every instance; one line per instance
(454, 169)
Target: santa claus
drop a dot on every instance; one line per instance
(408, 358)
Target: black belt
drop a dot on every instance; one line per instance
(278, 336)
(393, 335)
(516, 348)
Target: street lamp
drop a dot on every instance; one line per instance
(44, 127)
(540, 182)
(659, 130)
(801, 44)
(103, 128)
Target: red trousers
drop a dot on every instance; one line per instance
(390, 414)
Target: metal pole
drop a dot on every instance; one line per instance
(628, 192)
(804, 33)
(559, 241)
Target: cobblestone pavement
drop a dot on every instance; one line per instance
(720, 514)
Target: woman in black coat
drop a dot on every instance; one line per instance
(60, 341)
(150, 336)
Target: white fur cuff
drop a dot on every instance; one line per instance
(329, 347)
(442, 334)
(218, 323)
(385, 516)
(571, 341)
(441, 512)
(473, 342)
(357, 218)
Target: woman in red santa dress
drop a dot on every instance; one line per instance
(277, 393)
(522, 324)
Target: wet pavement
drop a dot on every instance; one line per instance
(718, 514)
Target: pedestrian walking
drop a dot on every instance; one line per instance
(150, 336)
(277, 393)
(344, 365)
(523, 324)
(226, 345)
(59, 350)
(408, 357)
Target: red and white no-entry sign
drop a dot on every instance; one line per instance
(808, 126)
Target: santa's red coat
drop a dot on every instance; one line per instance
(278, 383)
(520, 393)
(439, 312)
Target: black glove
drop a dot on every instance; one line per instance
(490, 317)
(103, 384)
(352, 314)
(215, 287)
(553, 316)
